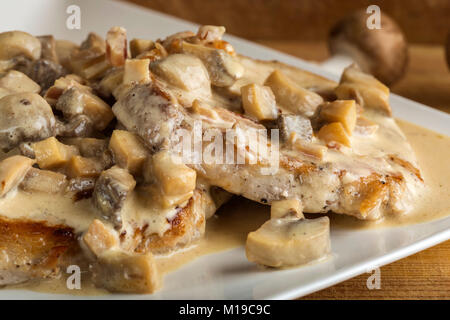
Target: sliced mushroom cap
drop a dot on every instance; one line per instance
(289, 242)
(185, 72)
(223, 68)
(24, 117)
(19, 43)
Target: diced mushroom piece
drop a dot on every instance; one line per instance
(128, 151)
(138, 46)
(289, 95)
(219, 196)
(288, 242)
(38, 180)
(24, 117)
(202, 109)
(210, 33)
(259, 102)
(61, 85)
(82, 186)
(112, 80)
(173, 176)
(298, 124)
(99, 238)
(17, 82)
(110, 192)
(365, 126)
(116, 270)
(77, 126)
(12, 172)
(157, 53)
(365, 89)
(88, 147)
(223, 68)
(116, 46)
(119, 271)
(50, 153)
(343, 111)
(76, 101)
(48, 48)
(166, 201)
(19, 43)
(185, 72)
(136, 71)
(334, 132)
(4, 92)
(286, 208)
(310, 149)
(79, 166)
(64, 50)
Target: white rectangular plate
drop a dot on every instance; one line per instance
(228, 275)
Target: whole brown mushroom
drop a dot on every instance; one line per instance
(381, 52)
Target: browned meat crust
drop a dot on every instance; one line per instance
(30, 249)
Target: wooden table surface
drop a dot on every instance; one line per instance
(425, 275)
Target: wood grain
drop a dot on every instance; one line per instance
(425, 21)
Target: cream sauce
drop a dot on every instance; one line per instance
(230, 226)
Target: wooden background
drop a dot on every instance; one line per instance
(300, 28)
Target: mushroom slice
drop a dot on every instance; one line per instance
(38, 180)
(289, 95)
(343, 111)
(50, 153)
(128, 150)
(19, 43)
(115, 269)
(48, 48)
(119, 271)
(295, 124)
(44, 72)
(223, 68)
(12, 172)
(112, 79)
(89, 61)
(259, 102)
(288, 242)
(210, 33)
(365, 126)
(365, 89)
(334, 132)
(54, 92)
(76, 101)
(185, 72)
(64, 50)
(24, 117)
(116, 46)
(138, 46)
(110, 192)
(16, 81)
(136, 71)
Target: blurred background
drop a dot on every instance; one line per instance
(300, 28)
